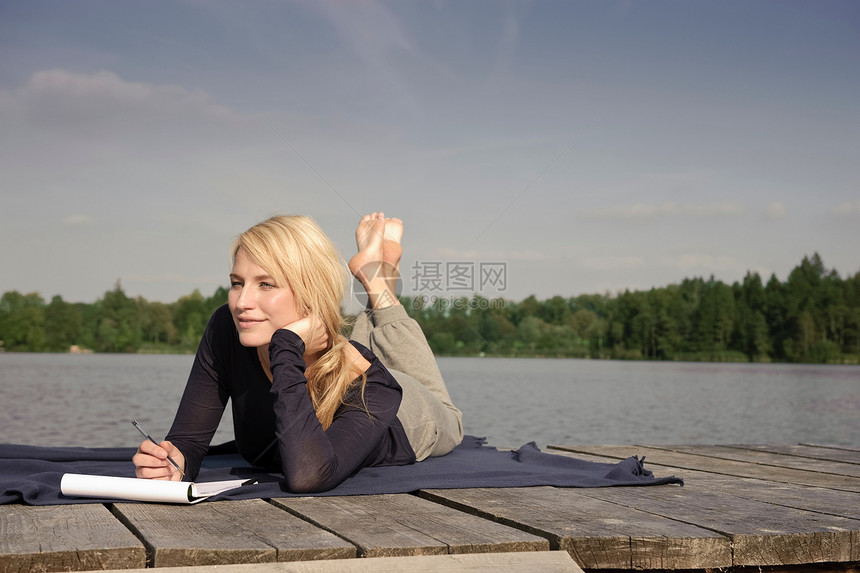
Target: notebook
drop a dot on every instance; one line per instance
(133, 489)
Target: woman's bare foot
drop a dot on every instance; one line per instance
(391, 248)
(369, 237)
(376, 265)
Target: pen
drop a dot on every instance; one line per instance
(148, 437)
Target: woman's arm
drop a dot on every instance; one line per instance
(314, 459)
(205, 396)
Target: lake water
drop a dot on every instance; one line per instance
(90, 400)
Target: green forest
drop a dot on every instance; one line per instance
(813, 316)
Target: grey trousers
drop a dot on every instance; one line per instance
(434, 426)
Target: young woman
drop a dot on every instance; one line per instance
(305, 399)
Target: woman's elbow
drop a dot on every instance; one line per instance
(308, 482)
(307, 485)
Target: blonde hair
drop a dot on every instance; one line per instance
(294, 251)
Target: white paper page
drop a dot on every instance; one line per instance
(125, 488)
(211, 488)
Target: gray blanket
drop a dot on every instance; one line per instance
(31, 474)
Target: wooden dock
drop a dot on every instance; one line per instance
(743, 508)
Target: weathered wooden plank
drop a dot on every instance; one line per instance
(761, 533)
(211, 533)
(758, 515)
(387, 525)
(767, 459)
(659, 457)
(519, 562)
(805, 451)
(65, 538)
(810, 498)
(833, 446)
(815, 499)
(597, 534)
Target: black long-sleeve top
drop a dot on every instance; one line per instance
(275, 423)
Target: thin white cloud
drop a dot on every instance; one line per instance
(508, 41)
(613, 263)
(111, 138)
(449, 254)
(78, 220)
(649, 211)
(847, 209)
(173, 278)
(64, 100)
(367, 26)
(776, 211)
(370, 31)
(704, 262)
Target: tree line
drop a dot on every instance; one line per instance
(813, 316)
(114, 323)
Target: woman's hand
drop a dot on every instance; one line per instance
(312, 332)
(150, 461)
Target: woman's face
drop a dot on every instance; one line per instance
(258, 304)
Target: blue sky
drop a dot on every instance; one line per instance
(588, 146)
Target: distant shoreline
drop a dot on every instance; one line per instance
(813, 317)
(729, 358)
